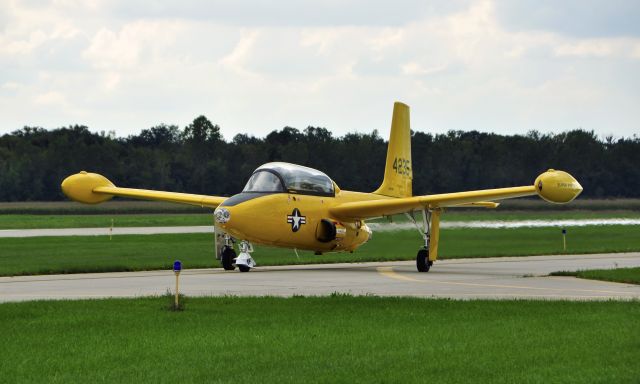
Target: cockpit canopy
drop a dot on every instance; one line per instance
(285, 177)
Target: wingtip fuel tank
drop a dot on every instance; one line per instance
(557, 186)
(79, 187)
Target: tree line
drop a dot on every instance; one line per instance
(196, 159)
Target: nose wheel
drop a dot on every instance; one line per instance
(230, 260)
(244, 261)
(228, 255)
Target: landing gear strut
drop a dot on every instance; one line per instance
(431, 234)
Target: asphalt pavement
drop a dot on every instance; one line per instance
(490, 278)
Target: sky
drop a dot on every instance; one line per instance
(254, 66)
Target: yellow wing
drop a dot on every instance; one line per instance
(553, 186)
(92, 188)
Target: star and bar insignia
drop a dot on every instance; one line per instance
(296, 220)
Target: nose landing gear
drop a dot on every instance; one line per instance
(228, 257)
(244, 262)
(228, 254)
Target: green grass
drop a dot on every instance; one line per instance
(136, 206)
(534, 203)
(338, 339)
(618, 275)
(29, 221)
(513, 215)
(44, 255)
(103, 221)
(117, 206)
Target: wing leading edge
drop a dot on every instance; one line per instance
(553, 186)
(386, 207)
(92, 188)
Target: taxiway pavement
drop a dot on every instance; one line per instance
(490, 278)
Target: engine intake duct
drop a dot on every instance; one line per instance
(329, 230)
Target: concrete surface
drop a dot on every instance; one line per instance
(492, 278)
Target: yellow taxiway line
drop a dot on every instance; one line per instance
(389, 272)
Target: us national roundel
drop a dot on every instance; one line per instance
(296, 220)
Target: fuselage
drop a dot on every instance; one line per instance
(294, 220)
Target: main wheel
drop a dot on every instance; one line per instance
(228, 254)
(422, 261)
(244, 268)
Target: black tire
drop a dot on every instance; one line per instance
(244, 268)
(228, 254)
(422, 261)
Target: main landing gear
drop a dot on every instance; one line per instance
(230, 261)
(422, 261)
(431, 233)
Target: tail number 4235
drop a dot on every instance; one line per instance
(402, 166)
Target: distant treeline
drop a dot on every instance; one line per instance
(196, 159)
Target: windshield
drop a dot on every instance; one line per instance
(263, 181)
(296, 178)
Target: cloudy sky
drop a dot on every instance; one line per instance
(258, 65)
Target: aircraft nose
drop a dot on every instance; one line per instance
(222, 215)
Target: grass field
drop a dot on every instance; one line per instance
(118, 206)
(320, 340)
(137, 206)
(45, 255)
(619, 275)
(30, 221)
(104, 221)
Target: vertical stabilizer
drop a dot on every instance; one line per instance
(398, 174)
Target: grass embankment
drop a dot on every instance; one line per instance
(45, 255)
(328, 339)
(618, 275)
(30, 221)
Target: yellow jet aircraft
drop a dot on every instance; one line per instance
(292, 206)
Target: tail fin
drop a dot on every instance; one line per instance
(398, 174)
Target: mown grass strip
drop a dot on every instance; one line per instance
(29, 221)
(120, 206)
(320, 339)
(117, 206)
(618, 275)
(45, 255)
(103, 221)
